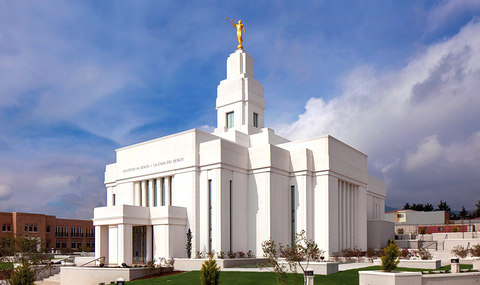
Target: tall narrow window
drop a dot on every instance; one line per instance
(155, 194)
(163, 191)
(293, 223)
(230, 120)
(230, 208)
(141, 194)
(210, 214)
(170, 190)
(113, 200)
(255, 120)
(147, 193)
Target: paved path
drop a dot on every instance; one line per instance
(341, 267)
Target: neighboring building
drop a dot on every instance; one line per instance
(234, 188)
(58, 234)
(410, 220)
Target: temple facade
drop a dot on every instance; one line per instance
(236, 187)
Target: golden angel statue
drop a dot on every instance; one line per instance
(239, 27)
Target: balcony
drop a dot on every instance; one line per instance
(61, 234)
(77, 235)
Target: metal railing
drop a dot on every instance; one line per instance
(101, 259)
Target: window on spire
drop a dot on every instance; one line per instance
(230, 120)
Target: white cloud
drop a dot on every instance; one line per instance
(385, 113)
(446, 11)
(5, 192)
(427, 151)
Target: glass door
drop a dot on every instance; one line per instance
(139, 246)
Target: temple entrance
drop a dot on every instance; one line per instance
(139, 239)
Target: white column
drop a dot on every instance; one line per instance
(144, 193)
(150, 189)
(137, 193)
(109, 196)
(149, 244)
(124, 244)
(101, 242)
(167, 191)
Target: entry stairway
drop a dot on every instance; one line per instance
(52, 280)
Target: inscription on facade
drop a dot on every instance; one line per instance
(153, 165)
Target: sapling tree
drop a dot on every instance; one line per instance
(302, 250)
(210, 272)
(28, 252)
(390, 258)
(270, 252)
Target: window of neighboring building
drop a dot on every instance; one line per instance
(74, 245)
(255, 120)
(64, 244)
(47, 244)
(57, 244)
(26, 228)
(88, 244)
(48, 229)
(6, 227)
(35, 228)
(79, 244)
(230, 120)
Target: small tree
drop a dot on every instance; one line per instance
(270, 252)
(390, 258)
(28, 251)
(210, 272)
(189, 243)
(302, 249)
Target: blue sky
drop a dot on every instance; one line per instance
(396, 79)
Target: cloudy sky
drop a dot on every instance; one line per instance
(398, 80)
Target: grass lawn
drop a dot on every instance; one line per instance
(237, 278)
(5, 265)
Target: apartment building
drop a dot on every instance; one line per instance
(57, 234)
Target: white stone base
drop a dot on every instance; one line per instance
(415, 263)
(320, 268)
(95, 275)
(389, 278)
(196, 263)
(416, 278)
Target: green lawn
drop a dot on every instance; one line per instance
(5, 265)
(237, 278)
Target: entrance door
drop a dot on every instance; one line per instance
(139, 240)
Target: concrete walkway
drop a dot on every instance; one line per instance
(341, 267)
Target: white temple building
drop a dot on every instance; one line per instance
(236, 187)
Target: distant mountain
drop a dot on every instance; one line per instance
(388, 208)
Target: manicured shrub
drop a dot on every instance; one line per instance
(23, 275)
(475, 251)
(460, 251)
(390, 258)
(188, 246)
(210, 272)
(371, 253)
(424, 254)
